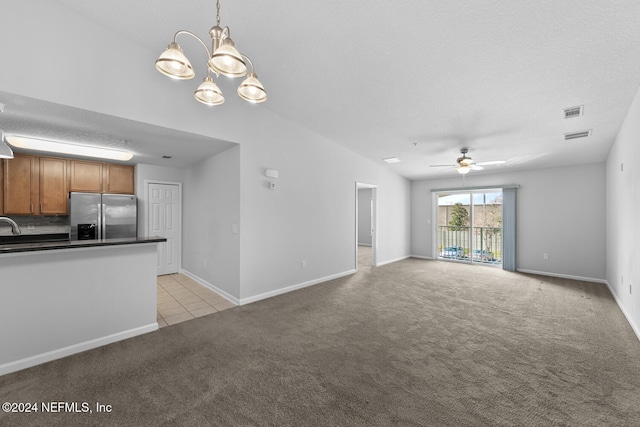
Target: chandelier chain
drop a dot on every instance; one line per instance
(218, 12)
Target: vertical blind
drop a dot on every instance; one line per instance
(509, 229)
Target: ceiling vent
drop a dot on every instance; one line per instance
(576, 135)
(570, 113)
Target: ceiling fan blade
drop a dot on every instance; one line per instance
(476, 167)
(491, 163)
(441, 166)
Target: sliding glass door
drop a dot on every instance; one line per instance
(454, 215)
(469, 227)
(487, 227)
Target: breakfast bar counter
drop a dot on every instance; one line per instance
(6, 248)
(61, 298)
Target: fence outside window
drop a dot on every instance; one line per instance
(454, 243)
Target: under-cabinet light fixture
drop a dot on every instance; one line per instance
(37, 144)
(5, 151)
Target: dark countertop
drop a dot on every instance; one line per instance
(7, 248)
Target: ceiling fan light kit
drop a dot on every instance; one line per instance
(466, 164)
(223, 59)
(463, 169)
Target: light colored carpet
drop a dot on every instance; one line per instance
(414, 343)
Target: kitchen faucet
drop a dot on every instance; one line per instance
(14, 227)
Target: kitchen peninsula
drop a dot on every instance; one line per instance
(61, 298)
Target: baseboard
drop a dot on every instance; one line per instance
(421, 257)
(634, 327)
(562, 276)
(28, 362)
(212, 287)
(380, 264)
(281, 291)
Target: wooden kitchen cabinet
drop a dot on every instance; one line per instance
(21, 185)
(85, 176)
(54, 190)
(35, 185)
(118, 179)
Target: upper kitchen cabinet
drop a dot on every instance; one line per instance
(21, 184)
(35, 185)
(85, 176)
(118, 179)
(54, 190)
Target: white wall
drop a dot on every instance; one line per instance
(364, 216)
(61, 302)
(317, 180)
(211, 206)
(311, 215)
(560, 211)
(623, 205)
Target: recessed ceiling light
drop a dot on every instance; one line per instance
(66, 148)
(391, 160)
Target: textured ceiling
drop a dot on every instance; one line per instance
(420, 79)
(40, 119)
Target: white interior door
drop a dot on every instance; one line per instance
(164, 220)
(372, 206)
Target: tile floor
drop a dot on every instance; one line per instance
(181, 298)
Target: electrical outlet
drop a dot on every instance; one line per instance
(303, 264)
(545, 256)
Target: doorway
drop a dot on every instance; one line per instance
(366, 240)
(469, 226)
(164, 219)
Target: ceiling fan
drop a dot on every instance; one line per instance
(466, 164)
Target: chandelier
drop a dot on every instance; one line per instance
(223, 58)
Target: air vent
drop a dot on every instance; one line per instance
(576, 135)
(570, 113)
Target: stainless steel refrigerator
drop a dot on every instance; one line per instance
(95, 216)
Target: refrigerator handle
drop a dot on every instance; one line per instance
(101, 221)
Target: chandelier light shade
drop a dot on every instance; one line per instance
(226, 60)
(251, 89)
(174, 64)
(223, 59)
(209, 93)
